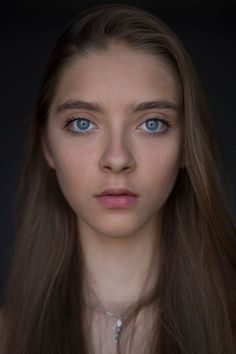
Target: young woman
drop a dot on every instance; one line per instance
(124, 241)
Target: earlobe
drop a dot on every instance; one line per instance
(47, 152)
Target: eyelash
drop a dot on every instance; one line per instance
(73, 119)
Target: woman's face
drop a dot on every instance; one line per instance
(114, 145)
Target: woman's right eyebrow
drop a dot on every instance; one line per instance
(95, 107)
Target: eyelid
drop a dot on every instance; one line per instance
(143, 117)
(142, 120)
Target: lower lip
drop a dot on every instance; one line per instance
(117, 201)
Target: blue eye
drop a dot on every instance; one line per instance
(79, 126)
(154, 124)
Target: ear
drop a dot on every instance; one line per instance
(47, 151)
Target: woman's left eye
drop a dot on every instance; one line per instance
(80, 125)
(155, 124)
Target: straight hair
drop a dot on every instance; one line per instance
(195, 293)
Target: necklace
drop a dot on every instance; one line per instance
(118, 323)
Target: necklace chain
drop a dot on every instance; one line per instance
(117, 325)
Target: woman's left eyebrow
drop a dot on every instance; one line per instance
(95, 107)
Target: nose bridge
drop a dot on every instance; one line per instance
(117, 136)
(117, 148)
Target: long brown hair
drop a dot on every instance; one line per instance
(43, 305)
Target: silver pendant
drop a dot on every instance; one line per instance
(116, 328)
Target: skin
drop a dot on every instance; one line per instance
(120, 246)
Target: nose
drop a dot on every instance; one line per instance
(116, 155)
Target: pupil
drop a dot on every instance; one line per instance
(82, 124)
(152, 124)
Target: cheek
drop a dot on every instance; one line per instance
(74, 169)
(161, 170)
(69, 158)
(165, 176)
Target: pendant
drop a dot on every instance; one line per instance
(116, 328)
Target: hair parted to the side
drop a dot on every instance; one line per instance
(42, 307)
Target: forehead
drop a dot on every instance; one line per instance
(118, 76)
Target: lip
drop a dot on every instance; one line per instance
(114, 191)
(115, 197)
(117, 201)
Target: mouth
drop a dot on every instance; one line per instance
(115, 195)
(117, 200)
(112, 192)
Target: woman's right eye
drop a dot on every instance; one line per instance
(77, 125)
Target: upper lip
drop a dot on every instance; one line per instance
(116, 191)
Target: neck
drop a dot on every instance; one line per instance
(119, 271)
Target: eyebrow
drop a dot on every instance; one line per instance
(95, 107)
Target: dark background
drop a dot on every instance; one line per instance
(29, 30)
